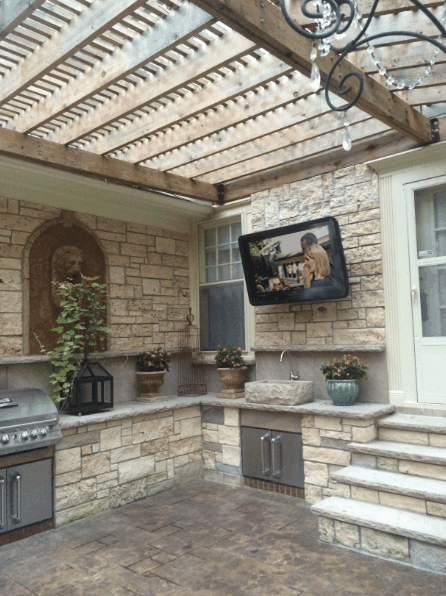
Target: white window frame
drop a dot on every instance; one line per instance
(221, 214)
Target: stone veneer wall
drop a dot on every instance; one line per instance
(350, 195)
(108, 464)
(325, 449)
(148, 276)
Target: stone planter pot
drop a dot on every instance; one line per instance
(343, 392)
(149, 384)
(234, 379)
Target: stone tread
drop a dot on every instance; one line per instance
(427, 424)
(420, 453)
(393, 482)
(419, 526)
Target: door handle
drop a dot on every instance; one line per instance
(266, 471)
(17, 479)
(277, 441)
(2, 503)
(414, 293)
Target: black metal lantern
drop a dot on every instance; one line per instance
(92, 390)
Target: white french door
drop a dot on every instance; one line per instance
(427, 252)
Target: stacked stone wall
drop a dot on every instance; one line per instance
(325, 449)
(148, 276)
(107, 464)
(350, 195)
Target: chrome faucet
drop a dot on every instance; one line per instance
(293, 377)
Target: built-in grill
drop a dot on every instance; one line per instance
(29, 429)
(28, 420)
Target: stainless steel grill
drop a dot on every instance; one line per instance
(28, 420)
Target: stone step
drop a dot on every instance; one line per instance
(429, 424)
(406, 451)
(394, 534)
(425, 528)
(394, 489)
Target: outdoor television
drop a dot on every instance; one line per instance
(299, 263)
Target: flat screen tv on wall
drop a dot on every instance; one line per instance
(299, 263)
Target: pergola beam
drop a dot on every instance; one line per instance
(167, 33)
(263, 23)
(15, 144)
(14, 12)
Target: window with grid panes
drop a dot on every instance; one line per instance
(222, 317)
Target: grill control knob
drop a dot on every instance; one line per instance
(33, 433)
(25, 435)
(5, 439)
(43, 431)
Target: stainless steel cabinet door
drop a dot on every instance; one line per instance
(256, 453)
(287, 466)
(30, 493)
(3, 506)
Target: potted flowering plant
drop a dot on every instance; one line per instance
(151, 366)
(232, 370)
(343, 377)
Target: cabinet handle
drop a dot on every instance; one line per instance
(2, 503)
(277, 441)
(17, 478)
(266, 471)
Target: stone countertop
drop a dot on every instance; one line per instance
(346, 348)
(317, 408)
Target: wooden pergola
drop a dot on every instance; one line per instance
(200, 99)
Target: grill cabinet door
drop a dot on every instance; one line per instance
(30, 493)
(287, 459)
(256, 453)
(3, 506)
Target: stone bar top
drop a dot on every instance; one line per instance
(347, 348)
(364, 411)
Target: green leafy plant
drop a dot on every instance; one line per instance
(153, 360)
(81, 330)
(348, 368)
(229, 357)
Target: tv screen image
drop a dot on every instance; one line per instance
(299, 263)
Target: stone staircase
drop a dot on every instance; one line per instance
(391, 501)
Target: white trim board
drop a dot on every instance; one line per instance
(55, 188)
(398, 175)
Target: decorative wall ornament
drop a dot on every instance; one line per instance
(332, 25)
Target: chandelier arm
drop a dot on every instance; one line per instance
(351, 17)
(304, 32)
(360, 79)
(353, 42)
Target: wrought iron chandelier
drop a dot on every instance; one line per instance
(333, 24)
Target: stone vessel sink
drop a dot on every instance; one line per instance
(285, 393)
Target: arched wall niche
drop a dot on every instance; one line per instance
(46, 255)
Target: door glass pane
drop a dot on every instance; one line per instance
(430, 213)
(433, 300)
(209, 237)
(222, 316)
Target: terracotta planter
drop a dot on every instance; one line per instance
(234, 379)
(149, 384)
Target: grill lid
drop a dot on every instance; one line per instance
(21, 406)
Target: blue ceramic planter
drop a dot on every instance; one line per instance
(343, 393)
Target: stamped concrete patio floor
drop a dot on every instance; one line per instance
(202, 539)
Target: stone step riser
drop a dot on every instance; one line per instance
(382, 544)
(412, 437)
(390, 499)
(404, 466)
